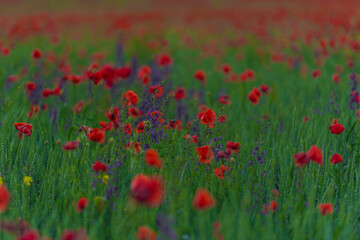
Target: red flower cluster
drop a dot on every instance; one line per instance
(47, 92)
(314, 154)
(219, 172)
(95, 135)
(134, 146)
(23, 128)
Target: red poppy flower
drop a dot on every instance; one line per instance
(152, 159)
(207, 118)
(355, 95)
(134, 146)
(99, 166)
(113, 115)
(273, 206)
(224, 99)
(326, 208)
(77, 107)
(144, 70)
(81, 204)
(143, 74)
(216, 231)
(200, 76)
(71, 145)
(147, 190)
(145, 233)
(336, 128)
(164, 60)
(128, 129)
(96, 77)
(194, 139)
(12, 78)
(140, 127)
(315, 154)
(222, 154)
(205, 154)
(174, 124)
(339, 69)
(305, 119)
(301, 159)
(203, 200)
(34, 109)
(4, 198)
(232, 146)
(96, 135)
(222, 119)
(264, 89)
(336, 78)
(108, 73)
(23, 128)
(5, 51)
(134, 112)
(156, 91)
(226, 68)
(336, 158)
(36, 54)
(123, 72)
(219, 172)
(180, 93)
(275, 193)
(277, 57)
(75, 79)
(74, 235)
(254, 95)
(105, 126)
(68, 235)
(266, 208)
(233, 77)
(47, 92)
(250, 74)
(44, 106)
(316, 73)
(30, 86)
(131, 98)
(29, 235)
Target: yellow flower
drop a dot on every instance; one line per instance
(1, 181)
(28, 180)
(105, 178)
(99, 202)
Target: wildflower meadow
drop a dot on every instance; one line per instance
(179, 120)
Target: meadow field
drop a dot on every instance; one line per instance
(169, 120)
